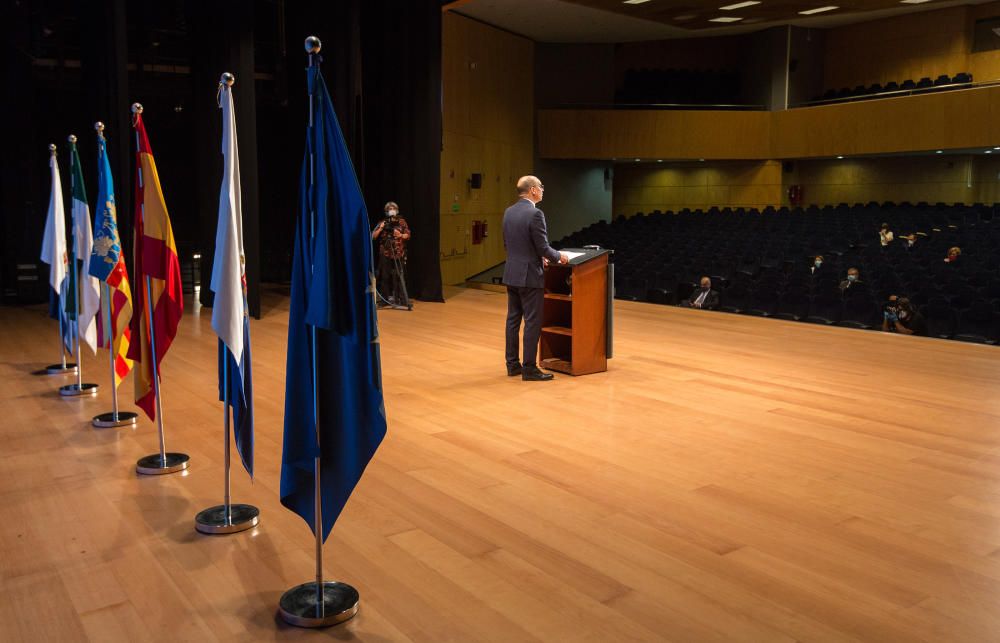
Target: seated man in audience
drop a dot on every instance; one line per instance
(899, 316)
(953, 254)
(704, 297)
(911, 240)
(853, 278)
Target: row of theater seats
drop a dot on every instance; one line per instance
(761, 262)
(942, 82)
(679, 86)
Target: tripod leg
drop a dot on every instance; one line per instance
(402, 283)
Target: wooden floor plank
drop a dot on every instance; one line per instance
(729, 478)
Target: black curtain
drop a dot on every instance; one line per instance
(382, 64)
(401, 50)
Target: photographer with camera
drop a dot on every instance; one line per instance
(899, 316)
(391, 235)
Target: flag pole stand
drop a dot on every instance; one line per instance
(226, 518)
(81, 388)
(163, 462)
(62, 368)
(317, 603)
(115, 418)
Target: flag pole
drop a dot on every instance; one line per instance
(162, 462)
(319, 603)
(226, 518)
(61, 368)
(115, 418)
(81, 388)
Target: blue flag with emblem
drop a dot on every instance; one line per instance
(333, 298)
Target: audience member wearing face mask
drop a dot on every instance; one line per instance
(817, 265)
(885, 235)
(900, 316)
(853, 279)
(703, 296)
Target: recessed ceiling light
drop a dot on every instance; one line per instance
(938, 152)
(659, 160)
(725, 19)
(687, 16)
(989, 152)
(809, 12)
(914, 1)
(748, 3)
(701, 160)
(635, 1)
(637, 160)
(997, 147)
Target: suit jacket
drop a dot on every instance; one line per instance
(711, 299)
(526, 241)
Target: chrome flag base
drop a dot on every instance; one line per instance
(213, 520)
(78, 390)
(298, 605)
(59, 369)
(154, 465)
(108, 421)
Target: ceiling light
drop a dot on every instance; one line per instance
(840, 157)
(726, 19)
(701, 160)
(914, 1)
(809, 12)
(635, 1)
(748, 3)
(938, 151)
(659, 160)
(989, 151)
(687, 16)
(997, 148)
(637, 160)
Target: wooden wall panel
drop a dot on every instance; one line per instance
(649, 134)
(644, 187)
(921, 44)
(948, 120)
(488, 129)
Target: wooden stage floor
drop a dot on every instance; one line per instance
(728, 479)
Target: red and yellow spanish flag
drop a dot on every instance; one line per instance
(155, 258)
(121, 315)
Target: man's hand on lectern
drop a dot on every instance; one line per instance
(563, 257)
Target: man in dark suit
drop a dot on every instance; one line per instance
(528, 250)
(704, 297)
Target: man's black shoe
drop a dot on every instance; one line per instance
(533, 374)
(513, 370)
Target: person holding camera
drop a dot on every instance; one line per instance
(391, 234)
(899, 316)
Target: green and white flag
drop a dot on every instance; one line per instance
(83, 243)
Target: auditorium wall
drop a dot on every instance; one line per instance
(933, 179)
(577, 193)
(928, 43)
(488, 129)
(644, 187)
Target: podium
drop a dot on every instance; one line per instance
(577, 314)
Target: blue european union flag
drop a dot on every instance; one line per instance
(333, 293)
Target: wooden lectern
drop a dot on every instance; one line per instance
(576, 318)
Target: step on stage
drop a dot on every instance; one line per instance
(728, 478)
